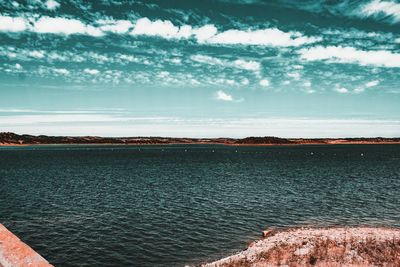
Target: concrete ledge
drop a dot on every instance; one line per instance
(15, 253)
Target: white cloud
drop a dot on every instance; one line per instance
(163, 74)
(294, 75)
(298, 67)
(18, 66)
(62, 71)
(209, 34)
(341, 90)
(162, 28)
(264, 82)
(367, 85)
(10, 24)
(206, 32)
(176, 60)
(308, 87)
(221, 95)
(60, 25)
(36, 54)
(51, 4)
(239, 63)
(64, 26)
(194, 82)
(230, 82)
(359, 90)
(207, 60)
(248, 65)
(57, 118)
(116, 125)
(244, 81)
(127, 58)
(339, 54)
(115, 26)
(266, 37)
(184, 31)
(387, 8)
(91, 71)
(25, 54)
(372, 83)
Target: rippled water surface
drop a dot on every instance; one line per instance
(177, 205)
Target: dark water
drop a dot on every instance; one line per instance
(176, 205)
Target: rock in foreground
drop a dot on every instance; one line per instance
(321, 247)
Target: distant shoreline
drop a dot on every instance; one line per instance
(12, 139)
(169, 144)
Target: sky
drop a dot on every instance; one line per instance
(210, 68)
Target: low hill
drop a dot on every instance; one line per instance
(9, 138)
(264, 140)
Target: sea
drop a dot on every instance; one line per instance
(177, 205)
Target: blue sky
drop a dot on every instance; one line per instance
(205, 68)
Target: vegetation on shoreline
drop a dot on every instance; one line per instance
(8, 138)
(321, 247)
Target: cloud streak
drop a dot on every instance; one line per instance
(209, 34)
(386, 8)
(113, 125)
(11, 24)
(64, 26)
(266, 37)
(339, 54)
(372, 84)
(242, 64)
(158, 28)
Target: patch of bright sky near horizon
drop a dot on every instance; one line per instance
(200, 68)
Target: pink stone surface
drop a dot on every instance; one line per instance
(15, 253)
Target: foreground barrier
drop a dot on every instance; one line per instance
(15, 253)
